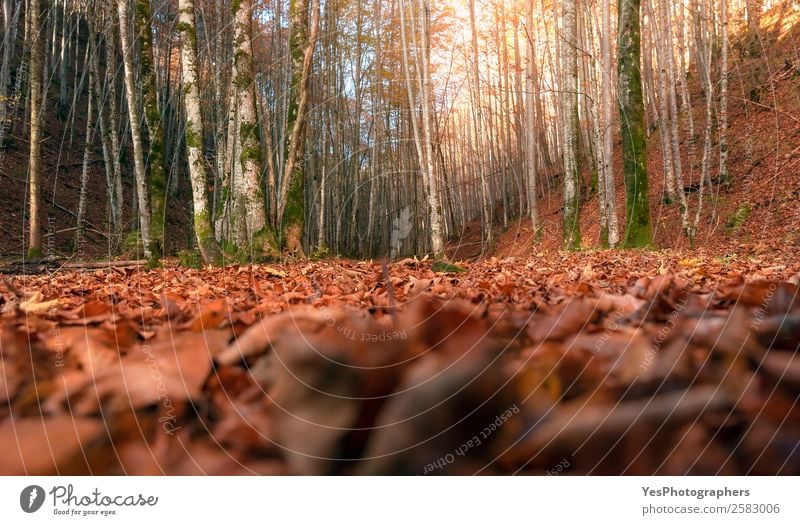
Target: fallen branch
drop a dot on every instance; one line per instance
(39, 266)
(104, 264)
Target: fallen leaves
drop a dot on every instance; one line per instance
(36, 305)
(644, 363)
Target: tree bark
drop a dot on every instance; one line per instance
(123, 12)
(570, 127)
(157, 183)
(35, 157)
(291, 205)
(203, 229)
(531, 149)
(631, 113)
(608, 188)
(249, 225)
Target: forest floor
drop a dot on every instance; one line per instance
(602, 362)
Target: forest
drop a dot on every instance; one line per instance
(400, 236)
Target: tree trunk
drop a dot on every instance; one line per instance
(87, 149)
(157, 182)
(608, 188)
(531, 149)
(35, 158)
(249, 224)
(570, 126)
(135, 125)
(631, 113)
(291, 205)
(478, 118)
(203, 229)
(434, 202)
(724, 176)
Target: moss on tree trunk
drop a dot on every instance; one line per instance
(157, 181)
(631, 108)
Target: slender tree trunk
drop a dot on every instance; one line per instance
(155, 130)
(135, 126)
(674, 121)
(35, 158)
(203, 229)
(434, 202)
(87, 149)
(631, 114)
(487, 204)
(532, 148)
(249, 224)
(111, 79)
(608, 188)
(664, 131)
(291, 206)
(570, 126)
(724, 176)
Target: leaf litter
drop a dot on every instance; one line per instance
(642, 363)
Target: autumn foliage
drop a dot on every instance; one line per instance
(586, 363)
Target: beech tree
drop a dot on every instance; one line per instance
(631, 115)
(36, 36)
(369, 128)
(570, 126)
(203, 228)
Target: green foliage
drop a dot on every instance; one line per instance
(190, 259)
(321, 253)
(132, 244)
(263, 248)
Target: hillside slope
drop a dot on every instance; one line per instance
(762, 205)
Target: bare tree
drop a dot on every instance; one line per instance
(35, 158)
(631, 115)
(203, 229)
(570, 129)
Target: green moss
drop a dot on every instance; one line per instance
(251, 142)
(631, 107)
(131, 244)
(228, 248)
(206, 241)
(737, 220)
(190, 259)
(193, 138)
(320, 254)
(262, 248)
(294, 214)
(35, 253)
